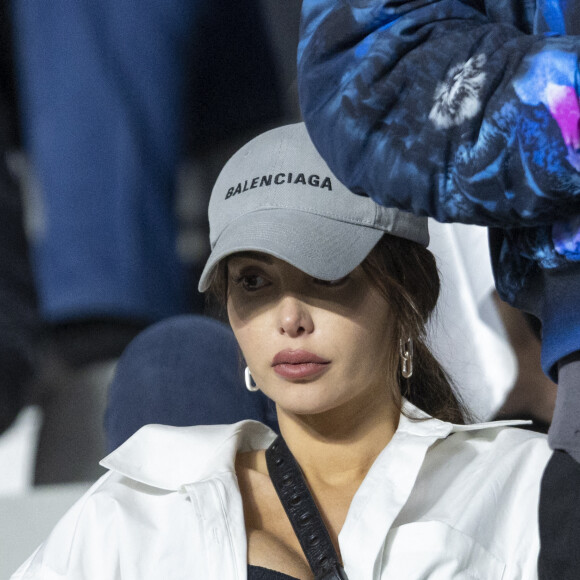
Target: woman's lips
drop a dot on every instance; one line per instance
(298, 364)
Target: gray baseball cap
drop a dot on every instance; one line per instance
(277, 195)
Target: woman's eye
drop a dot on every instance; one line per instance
(251, 282)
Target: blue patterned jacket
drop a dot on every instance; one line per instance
(466, 111)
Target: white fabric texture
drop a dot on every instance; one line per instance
(441, 502)
(466, 334)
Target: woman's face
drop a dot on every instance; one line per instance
(311, 345)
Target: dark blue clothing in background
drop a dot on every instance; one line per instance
(185, 370)
(109, 89)
(102, 87)
(19, 323)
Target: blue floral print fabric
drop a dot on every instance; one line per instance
(463, 110)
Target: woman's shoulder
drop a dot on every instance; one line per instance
(494, 452)
(479, 488)
(169, 457)
(143, 494)
(499, 439)
(504, 444)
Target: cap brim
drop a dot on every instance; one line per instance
(319, 246)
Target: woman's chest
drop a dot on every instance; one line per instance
(222, 543)
(271, 541)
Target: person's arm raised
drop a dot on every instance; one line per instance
(447, 108)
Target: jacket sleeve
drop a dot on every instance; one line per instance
(446, 108)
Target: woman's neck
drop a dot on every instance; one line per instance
(337, 448)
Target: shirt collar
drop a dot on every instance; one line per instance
(171, 457)
(417, 422)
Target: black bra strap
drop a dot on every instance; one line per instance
(302, 512)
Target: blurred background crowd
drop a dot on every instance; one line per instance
(115, 118)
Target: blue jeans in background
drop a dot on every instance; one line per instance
(102, 89)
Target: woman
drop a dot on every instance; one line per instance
(327, 295)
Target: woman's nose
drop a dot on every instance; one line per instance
(295, 317)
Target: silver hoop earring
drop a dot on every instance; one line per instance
(406, 353)
(250, 384)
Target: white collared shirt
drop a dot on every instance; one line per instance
(440, 502)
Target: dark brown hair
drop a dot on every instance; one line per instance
(406, 275)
